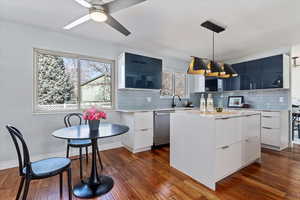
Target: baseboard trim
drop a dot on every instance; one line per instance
(14, 163)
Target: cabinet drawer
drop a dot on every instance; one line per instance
(270, 136)
(228, 131)
(270, 122)
(143, 138)
(270, 114)
(228, 160)
(143, 120)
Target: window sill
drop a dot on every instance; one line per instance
(68, 111)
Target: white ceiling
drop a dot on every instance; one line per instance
(172, 27)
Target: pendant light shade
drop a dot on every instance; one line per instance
(217, 69)
(199, 66)
(229, 72)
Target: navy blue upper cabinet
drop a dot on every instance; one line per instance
(262, 73)
(273, 72)
(139, 72)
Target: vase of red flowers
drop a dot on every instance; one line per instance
(93, 117)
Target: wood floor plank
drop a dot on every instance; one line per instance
(148, 176)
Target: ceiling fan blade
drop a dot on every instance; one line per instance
(116, 25)
(77, 22)
(84, 3)
(117, 5)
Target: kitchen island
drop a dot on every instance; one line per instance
(210, 146)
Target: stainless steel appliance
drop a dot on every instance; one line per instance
(161, 127)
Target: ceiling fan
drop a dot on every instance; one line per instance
(100, 11)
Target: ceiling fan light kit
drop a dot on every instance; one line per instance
(215, 69)
(98, 15)
(99, 11)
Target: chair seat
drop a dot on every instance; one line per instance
(80, 143)
(49, 167)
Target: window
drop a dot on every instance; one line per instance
(174, 83)
(65, 82)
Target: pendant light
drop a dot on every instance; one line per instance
(199, 66)
(212, 68)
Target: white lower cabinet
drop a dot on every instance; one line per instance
(140, 135)
(210, 147)
(228, 160)
(275, 129)
(238, 143)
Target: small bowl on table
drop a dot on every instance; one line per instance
(219, 109)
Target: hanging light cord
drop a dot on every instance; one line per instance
(213, 49)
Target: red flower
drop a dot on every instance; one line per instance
(94, 114)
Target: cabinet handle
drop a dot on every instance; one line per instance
(247, 140)
(225, 147)
(224, 118)
(267, 116)
(266, 127)
(144, 129)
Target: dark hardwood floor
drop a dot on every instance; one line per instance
(147, 176)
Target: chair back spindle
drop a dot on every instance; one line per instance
(23, 158)
(68, 119)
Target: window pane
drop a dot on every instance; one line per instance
(167, 84)
(180, 84)
(57, 80)
(95, 84)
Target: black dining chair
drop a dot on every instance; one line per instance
(75, 143)
(39, 169)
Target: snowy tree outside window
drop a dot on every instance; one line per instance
(71, 82)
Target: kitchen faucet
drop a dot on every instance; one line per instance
(173, 100)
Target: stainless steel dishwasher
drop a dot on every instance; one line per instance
(161, 128)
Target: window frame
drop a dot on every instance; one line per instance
(78, 57)
(187, 94)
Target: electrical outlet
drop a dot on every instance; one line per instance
(149, 99)
(281, 99)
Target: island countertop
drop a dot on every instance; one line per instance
(224, 114)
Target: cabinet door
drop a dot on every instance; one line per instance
(254, 72)
(143, 138)
(143, 120)
(196, 83)
(228, 160)
(272, 72)
(250, 150)
(251, 126)
(228, 131)
(211, 84)
(270, 136)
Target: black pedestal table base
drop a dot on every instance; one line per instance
(85, 190)
(95, 185)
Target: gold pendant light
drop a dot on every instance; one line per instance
(211, 68)
(199, 66)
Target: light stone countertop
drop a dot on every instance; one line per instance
(157, 109)
(224, 114)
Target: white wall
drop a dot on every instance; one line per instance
(295, 74)
(16, 84)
